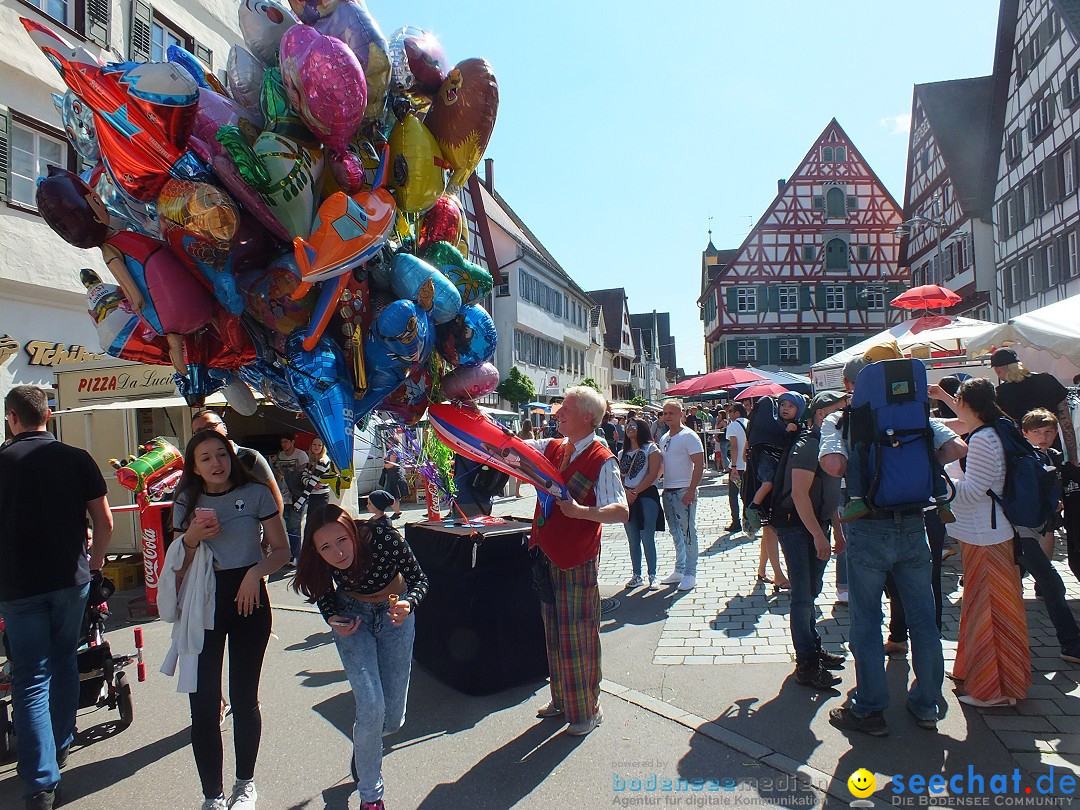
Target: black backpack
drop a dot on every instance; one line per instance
(784, 513)
(487, 481)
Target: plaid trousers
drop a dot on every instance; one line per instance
(572, 631)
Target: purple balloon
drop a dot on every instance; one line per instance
(326, 85)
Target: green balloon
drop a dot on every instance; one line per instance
(471, 280)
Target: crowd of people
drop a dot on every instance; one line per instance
(794, 467)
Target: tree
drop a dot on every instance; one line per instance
(589, 381)
(639, 402)
(516, 389)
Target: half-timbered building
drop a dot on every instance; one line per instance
(816, 272)
(1037, 210)
(948, 234)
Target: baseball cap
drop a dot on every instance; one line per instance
(825, 399)
(1003, 357)
(852, 369)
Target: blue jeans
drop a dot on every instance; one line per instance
(841, 571)
(806, 573)
(378, 660)
(43, 632)
(646, 537)
(680, 519)
(876, 548)
(293, 518)
(1051, 588)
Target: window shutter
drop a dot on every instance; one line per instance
(732, 301)
(732, 352)
(804, 350)
(819, 298)
(1051, 171)
(204, 55)
(851, 298)
(763, 298)
(819, 350)
(772, 350)
(96, 24)
(1003, 222)
(5, 154)
(805, 302)
(819, 202)
(142, 21)
(852, 202)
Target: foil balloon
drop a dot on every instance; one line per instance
(121, 332)
(349, 323)
(443, 222)
(347, 232)
(225, 344)
(351, 22)
(269, 379)
(143, 112)
(239, 396)
(326, 86)
(472, 281)
(159, 456)
(417, 171)
(470, 382)
(245, 74)
(188, 61)
(78, 121)
(71, 208)
(409, 402)
(462, 116)
(268, 298)
(199, 222)
(469, 339)
(400, 340)
(125, 212)
(416, 280)
(418, 64)
(320, 380)
(263, 23)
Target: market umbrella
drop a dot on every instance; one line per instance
(765, 389)
(928, 296)
(715, 381)
(542, 406)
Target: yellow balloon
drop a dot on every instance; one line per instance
(417, 171)
(402, 228)
(463, 248)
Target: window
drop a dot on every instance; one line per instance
(827, 154)
(836, 255)
(537, 351)
(789, 299)
(503, 290)
(1071, 88)
(1074, 270)
(60, 10)
(1049, 267)
(746, 350)
(1012, 215)
(1040, 116)
(1016, 290)
(834, 299)
(1068, 170)
(542, 295)
(809, 253)
(746, 300)
(33, 150)
(789, 350)
(1031, 276)
(161, 37)
(840, 154)
(833, 345)
(1015, 145)
(835, 204)
(864, 253)
(875, 298)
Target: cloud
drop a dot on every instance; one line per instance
(897, 124)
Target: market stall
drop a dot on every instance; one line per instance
(1046, 339)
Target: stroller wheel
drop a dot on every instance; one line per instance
(123, 700)
(7, 734)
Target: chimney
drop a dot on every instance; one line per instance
(780, 184)
(489, 174)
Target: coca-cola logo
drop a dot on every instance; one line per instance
(150, 556)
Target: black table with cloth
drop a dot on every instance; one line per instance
(479, 628)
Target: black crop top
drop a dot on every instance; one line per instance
(390, 556)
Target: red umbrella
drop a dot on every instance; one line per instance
(715, 381)
(928, 296)
(766, 389)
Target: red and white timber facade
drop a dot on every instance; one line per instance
(817, 271)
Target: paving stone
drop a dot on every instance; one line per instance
(1039, 708)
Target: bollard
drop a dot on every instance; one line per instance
(141, 667)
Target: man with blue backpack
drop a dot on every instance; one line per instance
(890, 415)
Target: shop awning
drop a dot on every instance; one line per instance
(212, 401)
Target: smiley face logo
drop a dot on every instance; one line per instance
(861, 783)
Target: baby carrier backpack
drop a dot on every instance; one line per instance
(1032, 488)
(890, 418)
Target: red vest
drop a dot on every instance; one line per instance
(569, 542)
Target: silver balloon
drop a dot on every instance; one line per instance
(245, 73)
(239, 396)
(78, 121)
(263, 23)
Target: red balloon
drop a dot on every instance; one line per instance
(443, 222)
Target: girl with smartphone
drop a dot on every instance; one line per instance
(366, 584)
(224, 512)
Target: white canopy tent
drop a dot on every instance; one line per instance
(1046, 339)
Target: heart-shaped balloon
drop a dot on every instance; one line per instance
(443, 222)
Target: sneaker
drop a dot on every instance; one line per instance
(674, 578)
(375, 805)
(855, 509)
(215, 804)
(586, 726)
(734, 527)
(945, 513)
(635, 582)
(687, 583)
(987, 704)
(654, 583)
(873, 724)
(841, 597)
(928, 724)
(815, 676)
(42, 800)
(896, 648)
(830, 661)
(244, 795)
(550, 710)
(1072, 655)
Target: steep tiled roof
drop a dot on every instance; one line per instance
(613, 302)
(1070, 13)
(959, 114)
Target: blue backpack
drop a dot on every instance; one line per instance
(1032, 487)
(890, 417)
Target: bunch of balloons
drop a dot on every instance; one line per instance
(298, 232)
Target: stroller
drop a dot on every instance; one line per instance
(102, 681)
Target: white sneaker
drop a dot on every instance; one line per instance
(687, 583)
(243, 795)
(215, 804)
(654, 585)
(674, 578)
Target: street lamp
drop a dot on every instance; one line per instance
(907, 226)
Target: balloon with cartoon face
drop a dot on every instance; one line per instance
(400, 341)
(78, 121)
(263, 23)
(469, 339)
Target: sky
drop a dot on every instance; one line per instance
(627, 129)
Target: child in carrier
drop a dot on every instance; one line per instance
(855, 478)
(773, 428)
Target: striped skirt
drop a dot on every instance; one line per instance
(993, 657)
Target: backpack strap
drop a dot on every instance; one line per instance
(995, 499)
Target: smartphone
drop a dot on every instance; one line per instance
(341, 622)
(205, 515)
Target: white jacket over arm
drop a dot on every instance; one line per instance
(190, 611)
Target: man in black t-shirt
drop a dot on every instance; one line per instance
(47, 488)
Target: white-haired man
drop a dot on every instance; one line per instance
(570, 540)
